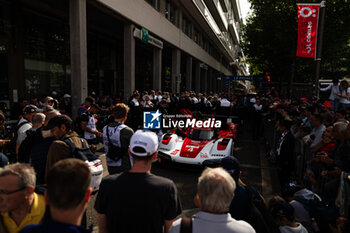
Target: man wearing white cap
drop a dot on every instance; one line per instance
(137, 200)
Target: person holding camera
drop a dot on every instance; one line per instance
(116, 140)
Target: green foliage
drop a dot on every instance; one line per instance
(270, 41)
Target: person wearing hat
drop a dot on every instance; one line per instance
(88, 124)
(25, 123)
(49, 101)
(137, 200)
(84, 107)
(283, 214)
(66, 105)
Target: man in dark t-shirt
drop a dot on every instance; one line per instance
(137, 200)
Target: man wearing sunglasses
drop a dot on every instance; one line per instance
(19, 205)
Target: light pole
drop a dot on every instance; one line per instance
(319, 46)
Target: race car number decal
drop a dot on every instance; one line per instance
(190, 148)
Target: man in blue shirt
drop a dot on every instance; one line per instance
(68, 193)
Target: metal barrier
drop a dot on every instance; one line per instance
(302, 155)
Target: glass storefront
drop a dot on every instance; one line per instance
(143, 66)
(4, 92)
(105, 59)
(105, 52)
(166, 68)
(46, 54)
(5, 35)
(183, 71)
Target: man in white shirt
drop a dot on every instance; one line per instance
(119, 135)
(215, 192)
(334, 87)
(88, 124)
(25, 123)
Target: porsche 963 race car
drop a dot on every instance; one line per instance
(198, 146)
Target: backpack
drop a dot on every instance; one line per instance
(114, 152)
(26, 146)
(94, 163)
(314, 206)
(258, 213)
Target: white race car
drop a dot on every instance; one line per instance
(198, 146)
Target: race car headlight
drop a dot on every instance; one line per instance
(166, 139)
(223, 144)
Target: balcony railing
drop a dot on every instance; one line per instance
(211, 22)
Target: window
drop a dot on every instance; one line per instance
(46, 54)
(196, 36)
(197, 134)
(205, 45)
(171, 12)
(186, 27)
(154, 3)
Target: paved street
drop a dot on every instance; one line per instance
(255, 171)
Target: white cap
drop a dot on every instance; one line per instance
(66, 96)
(146, 140)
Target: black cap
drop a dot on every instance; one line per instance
(282, 209)
(28, 109)
(288, 190)
(232, 166)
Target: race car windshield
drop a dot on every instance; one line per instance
(196, 134)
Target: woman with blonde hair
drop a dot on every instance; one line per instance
(344, 95)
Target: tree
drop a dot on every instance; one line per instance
(270, 40)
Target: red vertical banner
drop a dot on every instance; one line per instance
(307, 29)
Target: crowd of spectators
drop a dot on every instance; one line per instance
(310, 147)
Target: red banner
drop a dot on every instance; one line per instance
(307, 29)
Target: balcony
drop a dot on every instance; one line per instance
(217, 11)
(232, 28)
(236, 9)
(226, 5)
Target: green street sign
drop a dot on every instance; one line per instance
(144, 35)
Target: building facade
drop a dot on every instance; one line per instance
(113, 47)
